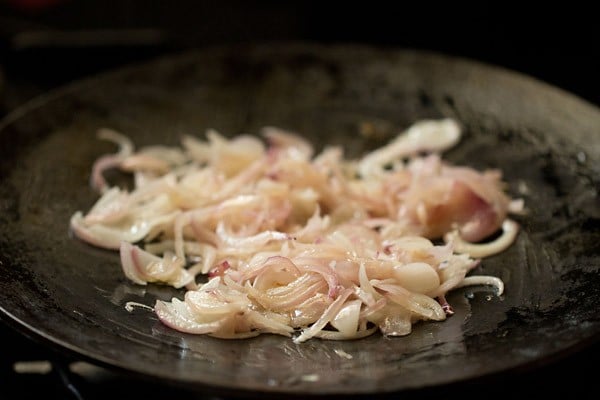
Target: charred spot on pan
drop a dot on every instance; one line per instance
(517, 316)
(582, 287)
(591, 224)
(553, 174)
(578, 278)
(449, 100)
(425, 99)
(578, 238)
(578, 288)
(507, 135)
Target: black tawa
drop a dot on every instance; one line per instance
(70, 296)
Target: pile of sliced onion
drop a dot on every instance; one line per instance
(266, 237)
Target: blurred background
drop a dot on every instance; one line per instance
(45, 44)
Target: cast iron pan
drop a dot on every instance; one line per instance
(71, 296)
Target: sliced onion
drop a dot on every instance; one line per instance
(210, 303)
(483, 280)
(370, 294)
(276, 271)
(330, 276)
(177, 315)
(130, 267)
(269, 323)
(309, 310)
(396, 324)
(142, 267)
(287, 297)
(144, 162)
(111, 207)
(510, 229)
(417, 277)
(111, 236)
(452, 272)
(295, 145)
(292, 242)
(426, 135)
(332, 335)
(419, 304)
(255, 241)
(346, 320)
(111, 160)
(327, 316)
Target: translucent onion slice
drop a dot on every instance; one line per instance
(483, 280)
(177, 315)
(285, 298)
(110, 237)
(346, 320)
(209, 302)
(269, 322)
(253, 242)
(417, 277)
(327, 316)
(108, 161)
(509, 233)
(310, 310)
(110, 208)
(426, 135)
(420, 304)
(396, 324)
(143, 267)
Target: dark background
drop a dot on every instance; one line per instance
(45, 43)
(48, 43)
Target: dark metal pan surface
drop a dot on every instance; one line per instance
(71, 296)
